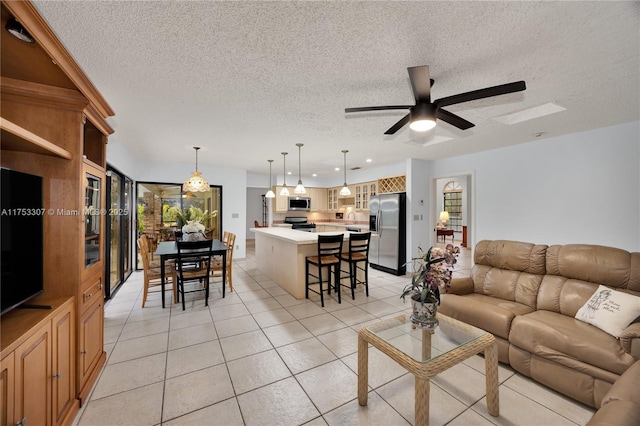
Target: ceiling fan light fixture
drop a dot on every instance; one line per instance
(345, 191)
(16, 29)
(423, 117)
(196, 183)
(299, 187)
(284, 191)
(270, 193)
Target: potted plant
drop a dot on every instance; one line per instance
(432, 274)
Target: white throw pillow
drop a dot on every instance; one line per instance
(609, 310)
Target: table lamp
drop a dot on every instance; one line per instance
(444, 217)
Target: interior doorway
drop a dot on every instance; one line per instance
(454, 194)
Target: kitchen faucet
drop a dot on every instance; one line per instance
(354, 216)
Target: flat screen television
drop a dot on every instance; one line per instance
(21, 234)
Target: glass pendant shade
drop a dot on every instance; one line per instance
(299, 187)
(196, 183)
(345, 189)
(270, 193)
(284, 191)
(423, 117)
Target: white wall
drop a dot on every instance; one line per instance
(578, 188)
(254, 208)
(419, 223)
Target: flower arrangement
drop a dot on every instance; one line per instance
(193, 226)
(432, 274)
(191, 214)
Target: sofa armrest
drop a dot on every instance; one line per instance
(630, 340)
(461, 286)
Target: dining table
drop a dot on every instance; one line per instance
(169, 250)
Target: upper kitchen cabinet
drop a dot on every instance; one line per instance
(318, 199)
(332, 199)
(53, 123)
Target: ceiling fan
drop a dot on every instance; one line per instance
(422, 116)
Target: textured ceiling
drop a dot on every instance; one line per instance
(248, 80)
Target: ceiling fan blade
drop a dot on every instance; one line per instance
(454, 120)
(420, 83)
(377, 108)
(403, 121)
(488, 92)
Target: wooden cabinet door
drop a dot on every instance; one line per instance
(90, 341)
(63, 363)
(33, 378)
(7, 395)
(282, 203)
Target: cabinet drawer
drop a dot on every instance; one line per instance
(92, 291)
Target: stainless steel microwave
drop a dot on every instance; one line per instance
(299, 203)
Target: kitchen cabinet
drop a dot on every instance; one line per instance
(282, 203)
(38, 366)
(332, 199)
(318, 199)
(364, 191)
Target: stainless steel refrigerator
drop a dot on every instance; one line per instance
(387, 223)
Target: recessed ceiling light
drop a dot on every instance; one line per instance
(529, 114)
(314, 174)
(369, 160)
(337, 169)
(288, 173)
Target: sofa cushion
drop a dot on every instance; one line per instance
(609, 310)
(510, 270)
(609, 266)
(488, 313)
(512, 255)
(558, 337)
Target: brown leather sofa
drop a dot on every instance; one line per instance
(527, 295)
(621, 405)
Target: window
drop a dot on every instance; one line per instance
(453, 204)
(158, 207)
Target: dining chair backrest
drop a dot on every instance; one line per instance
(193, 264)
(190, 252)
(217, 266)
(143, 247)
(225, 237)
(358, 246)
(329, 245)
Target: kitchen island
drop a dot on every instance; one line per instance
(281, 254)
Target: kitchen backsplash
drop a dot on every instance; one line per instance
(346, 217)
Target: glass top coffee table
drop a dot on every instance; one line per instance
(426, 353)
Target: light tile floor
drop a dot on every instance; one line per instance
(261, 357)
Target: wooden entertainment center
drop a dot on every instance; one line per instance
(52, 122)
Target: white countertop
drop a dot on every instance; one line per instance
(344, 225)
(295, 236)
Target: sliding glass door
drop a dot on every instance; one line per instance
(118, 255)
(162, 209)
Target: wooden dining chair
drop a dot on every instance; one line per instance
(152, 275)
(216, 267)
(329, 249)
(358, 260)
(193, 266)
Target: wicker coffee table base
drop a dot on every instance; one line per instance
(425, 371)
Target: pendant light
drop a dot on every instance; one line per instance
(196, 183)
(345, 189)
(299, 187)
(284, 191)
(270, 193)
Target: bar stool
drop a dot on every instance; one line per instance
(358, 252)
(329, 249)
